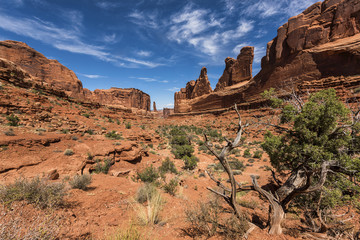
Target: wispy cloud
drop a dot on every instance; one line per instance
(203, 30)
(173, 89)
(66, 39)
(146, 79)
(143, 53)
(92, 76)
(144, 19)
(111, 38)
(107, 5)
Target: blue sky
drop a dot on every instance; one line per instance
(156, 46)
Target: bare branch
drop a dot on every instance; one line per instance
(218, 183)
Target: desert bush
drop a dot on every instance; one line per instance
(180, 151)
(90, 132)
(36, 191)
(234, 164)
(130, 233)
(113, 135)
(247, 153)
(190, 162)
(171, 187)
(150, 214)
(167, 166)
(80, 181)
(103, 167)
(65, 130)
(247, 204)
(15, 223)
(128, 125)
(257, 154)
(68, 152)
(13, 120)
(86, 115)
(150, 175)
(208, 219)
(145, 192)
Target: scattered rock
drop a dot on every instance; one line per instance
(53, 174)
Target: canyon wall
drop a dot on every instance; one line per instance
(50, 74)
(319, 48)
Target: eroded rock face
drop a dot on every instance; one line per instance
(130, 97)
(25, 67)
(192, 90)
(319, 48)
(237, 70)
(49, 72)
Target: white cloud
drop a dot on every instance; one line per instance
(143, 53)
(169, 105)
(107, 5)
(92, 76)
(66, 39)
(173, 89)
(146, 79)
(110, 38)
(148, 20)
(201, 29)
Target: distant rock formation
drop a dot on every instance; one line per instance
(50, 74)
(319, 48)
(154, 107)
(193, 89)
(167, 112)
(237, 70)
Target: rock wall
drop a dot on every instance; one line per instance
(237, 70)
(317, 49)
(50, 74)
(192, 90)
(129, 97)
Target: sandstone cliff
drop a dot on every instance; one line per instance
(192, 90)
(237, 70)
(22, 65)
(317, 49)
(130, 97)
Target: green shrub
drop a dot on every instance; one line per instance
(179, 140)
(68, 152)
(190, 162)
(171, 187)
(90, 132)
(103, 167)
(145, 192)
(258, 154)
(80, 181)
(65, 130)
(86, 115)
(180, 151)
(128, 125)
(167, 166)
(247, 153)
(113, 135)
(149, 175)
(13, 120)
(36, 191)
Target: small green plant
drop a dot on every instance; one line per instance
(128, 125)
(68, 152)
(80, 181)
(167, 166)
(65, 130)
(103, 167)
(171, 187)
(142, 127)
(258, 154)
(149, 175)
(13, 120)
(89, 156)
(90, 132)
(86, 115)
(36, 191)
(247, 153)
(113, 135)
(190, 162)
(145, 192)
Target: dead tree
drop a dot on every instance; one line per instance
(300, 181)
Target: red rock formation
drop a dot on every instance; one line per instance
(192, 90)
(154, 107)
(167, 112)
(129, 97)
(237, 71)
(22, 65)
(317, 49)
(49, 72)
